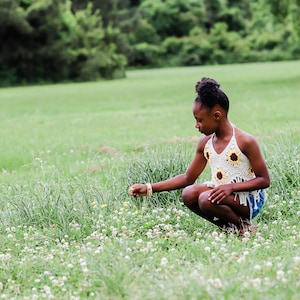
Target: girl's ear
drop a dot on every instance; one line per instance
(217, 115)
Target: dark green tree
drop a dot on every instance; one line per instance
(45, 41)
(15, 31)
(173, 17)
(283, 9)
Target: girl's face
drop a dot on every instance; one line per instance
(206, 123)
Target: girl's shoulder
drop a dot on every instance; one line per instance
(202, 142)
(244, 139)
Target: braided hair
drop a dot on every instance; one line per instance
(210, 94)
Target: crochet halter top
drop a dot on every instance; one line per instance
(229, 166)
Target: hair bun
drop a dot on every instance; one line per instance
(206, 85)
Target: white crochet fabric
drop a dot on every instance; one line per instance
(230, 166)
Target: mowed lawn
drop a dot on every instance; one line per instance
(73, 121)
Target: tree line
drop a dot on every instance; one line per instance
(81, 40)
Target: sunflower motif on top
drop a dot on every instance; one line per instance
(234, 157)
(220, 175)
(251, 172)
(207, 153)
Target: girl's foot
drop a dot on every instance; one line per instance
(247, 227)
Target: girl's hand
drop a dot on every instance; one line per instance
(138, 190)
(218, 194)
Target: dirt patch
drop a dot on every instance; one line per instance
(95, 169)
(107, 150)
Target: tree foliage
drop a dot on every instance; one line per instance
(290, 9)
(80, 40)
(45, 41)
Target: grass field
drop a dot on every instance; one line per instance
(69, 229)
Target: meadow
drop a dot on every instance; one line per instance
(69, 152)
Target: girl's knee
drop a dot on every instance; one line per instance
(188, 195)
(204, 204)
(191, 193)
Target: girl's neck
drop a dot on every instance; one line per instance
(225, 129)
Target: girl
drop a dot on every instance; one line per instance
(235, 194)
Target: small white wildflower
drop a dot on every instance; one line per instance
(265, 227)
(207, 249)
(46, 289)
(279, 275)
(163, 261)
(216, 282)
(245, 239)
(242, 259)
(139, 241)
(257, 267)
(256, 282)
(268, 264)
(296, 259)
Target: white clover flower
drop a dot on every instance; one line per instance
(207, 249)
(149, 245)
(242, 259)
(256, 282)
(214, 255)
(245, 239)
(216, 282)
(139, 241)
(279, 275)
(257, 267)
(296, 259)
(215, 234)
(163, 261)
(168, 227)
(268, 264)
(46, 289)
(83, 265)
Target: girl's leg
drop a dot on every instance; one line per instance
(229, 211)
(190, 197)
